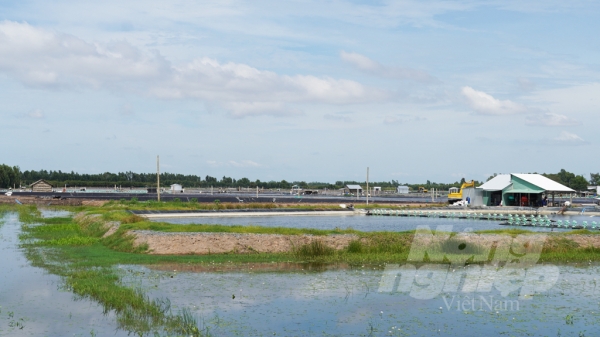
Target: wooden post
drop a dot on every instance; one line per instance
(367, 185)
(158, 177)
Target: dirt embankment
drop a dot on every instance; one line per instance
(40, 201)
(218, 243)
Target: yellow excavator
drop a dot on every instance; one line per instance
(455, 195)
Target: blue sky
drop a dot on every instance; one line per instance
(302, 90)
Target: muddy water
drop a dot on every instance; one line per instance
(33, 303)
(363, 223)
(346, 302)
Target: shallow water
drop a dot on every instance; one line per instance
(346, 302)
(361, 222)
(33, 303)
(53, 213)
(297, 299)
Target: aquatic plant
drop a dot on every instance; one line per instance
(313, 250)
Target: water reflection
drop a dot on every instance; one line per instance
(33, 302)
(254, 301)
(362, 223)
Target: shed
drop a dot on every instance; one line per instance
(356, 189)
(518, 189)
(402, 189)
(41, 186)
(176, 188)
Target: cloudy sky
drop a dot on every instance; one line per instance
(302, 90)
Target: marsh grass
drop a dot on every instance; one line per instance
(96, 279)
(192, 228)
(313, 250)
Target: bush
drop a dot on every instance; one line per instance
(355, 246)
(314, 249)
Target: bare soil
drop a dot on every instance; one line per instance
(218, 243)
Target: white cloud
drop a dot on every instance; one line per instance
(485, 104)
(246, 109)
(567, 137)
(369, 66)
(551, 119)
(41, 58)
(36, 114)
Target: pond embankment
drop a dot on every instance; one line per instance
(242, 243)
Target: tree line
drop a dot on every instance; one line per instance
(13, 176)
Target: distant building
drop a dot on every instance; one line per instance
(41, 186)
(176, 188)
(402, 189)
(355, 189)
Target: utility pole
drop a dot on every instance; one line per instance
(158, 177)
(367, 185)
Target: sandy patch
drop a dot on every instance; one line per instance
(218, 243)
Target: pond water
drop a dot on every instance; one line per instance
(347, 302)
(360, 222)
(33, 302)
(303, 299)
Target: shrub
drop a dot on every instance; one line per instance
(314, 249)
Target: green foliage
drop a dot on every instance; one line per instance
(94, 278)
(9, 176)
(355, 246)
(595, 179)
(313, 250)
(576, 182)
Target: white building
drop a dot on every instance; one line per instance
(402, 189)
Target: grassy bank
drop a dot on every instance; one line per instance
(77, 254)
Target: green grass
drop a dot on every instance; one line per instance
(75, 252)
(167, 227)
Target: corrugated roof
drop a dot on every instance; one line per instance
(543, 182)
(498, 183)
(354, 187)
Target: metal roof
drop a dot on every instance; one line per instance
(498, 183)
(544, 183)
(354, 187)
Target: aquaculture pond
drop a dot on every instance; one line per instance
(301, 299)
(360, 222)
(309, 300)
(35, 303)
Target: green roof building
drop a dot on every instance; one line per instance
(525, 190)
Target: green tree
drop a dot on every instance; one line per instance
(595, 179)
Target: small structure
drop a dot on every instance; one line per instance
(519, 190)
(354, 189)
(402, 189)
(176, 188)
(41, 186)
